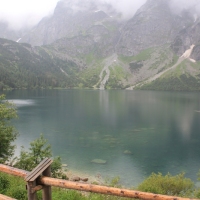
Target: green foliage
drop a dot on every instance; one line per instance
(115, 182)
(105, 197)
(134, 66)
(169, 185)
(14, 187)
(63, 194)
(18, 192)
(117, 74)
(7, 132)
(197, 193)
(143, 55)
(23, 66)
(4, 183)
(56, 168)
(173, 83)
(90, 76)
(39, 149)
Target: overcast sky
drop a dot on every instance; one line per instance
(179, 5)
(25, 12)
(29, 12)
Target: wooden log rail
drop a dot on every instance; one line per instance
(3, 197)
(47, 181)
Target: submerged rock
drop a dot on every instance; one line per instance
(127, 152)
(99, 161)
(84, 179)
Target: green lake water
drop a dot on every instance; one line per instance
(160, 130)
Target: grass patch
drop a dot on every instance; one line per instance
(143, 55)
(90, 76)
(117, 75)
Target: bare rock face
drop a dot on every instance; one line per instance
(65, 22)
(154, 24)
(187, 37)
(98, 40)
(82, 31)
(196, 53)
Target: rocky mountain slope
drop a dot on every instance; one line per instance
(155, 49)
(69, 23)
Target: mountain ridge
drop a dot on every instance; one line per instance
(126, 52)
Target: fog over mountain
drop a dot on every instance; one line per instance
(179, 5)
(127, 8)
(21, 13)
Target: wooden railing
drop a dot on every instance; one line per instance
(39, 178)
(3, 197)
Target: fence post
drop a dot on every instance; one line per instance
(31, 195)
(43, 169)
(46, 193)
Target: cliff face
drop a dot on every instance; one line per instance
(66, 23)
(94, 29)
(186, 37)
(154, 24)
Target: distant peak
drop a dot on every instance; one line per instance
(157, 2)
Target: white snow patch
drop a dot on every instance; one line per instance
(18, 39)
(188, 52)
(63, 71)
(195, 17)
(192, 60)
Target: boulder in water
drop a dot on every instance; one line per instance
(127, 152)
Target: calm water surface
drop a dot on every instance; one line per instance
(160, 129)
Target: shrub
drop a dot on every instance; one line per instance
(7, 132)
(63, 194)
(168, 184)
(18, 192)
(4, 183)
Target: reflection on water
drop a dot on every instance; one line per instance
(19, 102)
(135, 132)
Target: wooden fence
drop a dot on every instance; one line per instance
(39, 178)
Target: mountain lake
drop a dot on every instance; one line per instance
(133, 133)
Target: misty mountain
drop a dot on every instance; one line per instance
(67, 23)
(8, 33)
(157, 48)
(153, 25)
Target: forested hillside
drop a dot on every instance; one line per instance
(24, 66)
